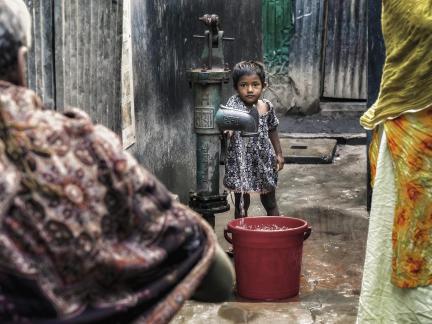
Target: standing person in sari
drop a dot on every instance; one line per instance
(397, 275)
(86, 234)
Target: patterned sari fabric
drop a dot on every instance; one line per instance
(410, 145)
(380, 301)
(86, 234)
(373, 155)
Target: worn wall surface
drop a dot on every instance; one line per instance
(327, 56)
(278, 30)
(305, 58)
(40, 59)
(345, 48)
(163, 49)
(88, 42)
(299, 88)
(76, 54)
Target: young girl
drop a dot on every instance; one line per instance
(252, 163)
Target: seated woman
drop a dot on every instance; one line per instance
(86, 234)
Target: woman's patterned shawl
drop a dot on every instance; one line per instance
(86, 234)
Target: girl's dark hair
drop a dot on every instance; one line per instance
(9, 46)
(15, 22)
(248, 68)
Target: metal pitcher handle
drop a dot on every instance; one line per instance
(226, 231)
(307, 233)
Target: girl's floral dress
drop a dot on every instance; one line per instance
(251, 161)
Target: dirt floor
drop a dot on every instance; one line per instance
(332, 198)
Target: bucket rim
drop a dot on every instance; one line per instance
(299, 229)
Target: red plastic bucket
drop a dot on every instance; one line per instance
(267, 262)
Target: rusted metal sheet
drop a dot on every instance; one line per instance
(40, 64)
(88, 41)
(345, 61)
(76, 54)
(305, 54)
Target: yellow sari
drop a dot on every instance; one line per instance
(404, 109)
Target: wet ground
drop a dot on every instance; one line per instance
(332, 198)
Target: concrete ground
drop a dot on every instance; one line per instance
(332, 198)
(334, 118)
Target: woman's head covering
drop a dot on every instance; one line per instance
(406, 84)
(15, 20)
(15, 32)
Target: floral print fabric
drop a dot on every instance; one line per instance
(410, 144)
(251, 161)
(92, 235)
(381, 301)
(373, 155)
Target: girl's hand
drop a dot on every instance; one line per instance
(228, 133)
(280, 161)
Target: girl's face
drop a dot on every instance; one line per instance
(249, 88)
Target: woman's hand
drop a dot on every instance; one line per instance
(280, 161)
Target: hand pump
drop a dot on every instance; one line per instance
(207, 89)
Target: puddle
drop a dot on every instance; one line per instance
(333, 255)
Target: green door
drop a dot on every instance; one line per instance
(278, 27)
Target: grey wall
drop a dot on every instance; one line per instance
(305, 58)
(75, 56)
(163, 49)
(300, 88)
(40, 59)
(345, 59)
(88, 40)
(327, 56)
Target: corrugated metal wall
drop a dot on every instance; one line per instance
(305, 56)
(88, 41)
(40, 62)
(345, 63)
(76, 57)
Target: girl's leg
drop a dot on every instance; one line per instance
(246, 203)
(269, 202)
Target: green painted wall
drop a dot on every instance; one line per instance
(278, 28)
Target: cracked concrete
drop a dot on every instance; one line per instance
(332, 198)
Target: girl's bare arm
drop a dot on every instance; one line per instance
(274, 139)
